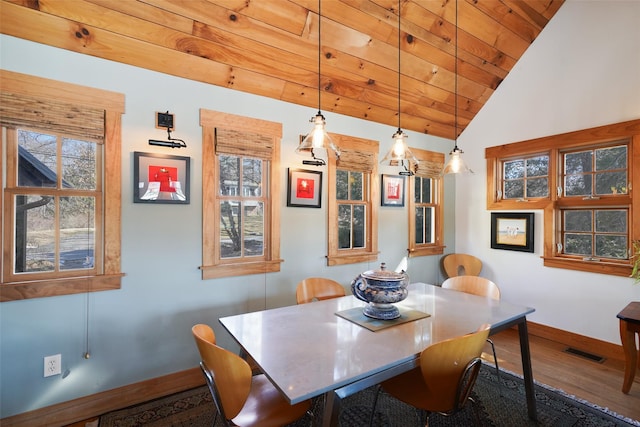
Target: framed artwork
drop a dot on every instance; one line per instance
(392, 190)
(305, 188)
(160, 178)
(512, 231)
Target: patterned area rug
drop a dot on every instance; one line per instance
(495, 406)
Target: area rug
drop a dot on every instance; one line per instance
(494, 406)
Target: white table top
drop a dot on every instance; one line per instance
(307, 350)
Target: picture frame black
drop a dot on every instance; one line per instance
(392, 190)
(512, 231)
(161, 178)
(304, 188)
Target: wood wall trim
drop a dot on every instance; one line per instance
(97, 404)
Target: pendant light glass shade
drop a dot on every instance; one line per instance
(456, 164)
(399, 152)
(318, 138)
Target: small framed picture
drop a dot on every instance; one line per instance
(160, 178)
(304, 189)
(512, 231)
(392, 190)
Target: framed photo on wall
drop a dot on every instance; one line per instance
(512, 231)
(304, 189)
(392, 190)
(160, 178)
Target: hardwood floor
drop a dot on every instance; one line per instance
(597, 383)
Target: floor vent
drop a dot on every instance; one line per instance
(590, 356)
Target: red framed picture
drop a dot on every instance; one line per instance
(305, 188)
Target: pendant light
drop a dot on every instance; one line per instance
(456, 164)
(318, 138)
(400, 154)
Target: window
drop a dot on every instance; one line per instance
(583, 180)
(241, 209)
(354, 196)
(425, 205)
(61, 218)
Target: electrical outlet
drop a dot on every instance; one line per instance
(52, 365)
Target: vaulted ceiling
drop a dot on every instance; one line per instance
(270, 48)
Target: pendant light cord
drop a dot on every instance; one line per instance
(455, 90)
(319, 49)
(399, 5)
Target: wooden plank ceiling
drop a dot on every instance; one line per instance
(270, 48)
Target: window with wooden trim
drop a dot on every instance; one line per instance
(61, 218)
(426, 211)
(354, 196)
(240, 206)
(591, 218)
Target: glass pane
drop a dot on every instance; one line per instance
(514, 169)
(611, 158)
(251, 177)
(426, 190)
(229, 175)
(35, 226)
(342, 185)
(577, 185)
(611, 183)
(253, 228)
(417, 194)
(611, 246)
(514, 189)
(77, 230)
(578, 221)
(576, 163)
(420, 225)
(611, 221)
(537, 187)
(230, 226)
(578, 244)
(37, 160)
(356, 185)
(429, 225)
(538, 166)
(359, 233)
(344, 226)
(78, 164)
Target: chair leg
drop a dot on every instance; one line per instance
(375, 403)
(495, 360)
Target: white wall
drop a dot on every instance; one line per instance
(144, 329)
(583, 71)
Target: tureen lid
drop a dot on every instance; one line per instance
(384, 274)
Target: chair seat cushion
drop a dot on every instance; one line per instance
(266, 406)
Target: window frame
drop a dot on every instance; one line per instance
(555, 146)
(213, 266)
(371, 201)
(429, 167)
(108, 273)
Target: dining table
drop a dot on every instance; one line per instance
(329, 348)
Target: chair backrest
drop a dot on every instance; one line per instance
(473, 285)
(461, 265)
(318, 288)
(451, 367)
(228, 375)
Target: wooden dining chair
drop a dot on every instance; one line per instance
(241, 398)
(480, 286)
(445, 377)
(461, 265)
(317, 289)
